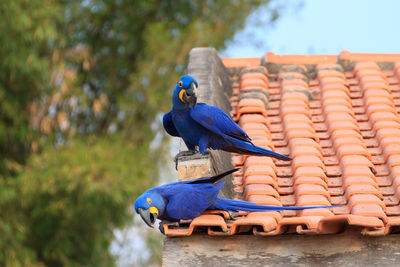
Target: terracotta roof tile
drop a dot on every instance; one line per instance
(271, 57)
(241, 62)
(346, 55)
(340, 124)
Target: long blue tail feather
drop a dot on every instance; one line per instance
(237, 205)
(242, 147)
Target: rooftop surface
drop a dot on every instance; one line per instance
(337, 117)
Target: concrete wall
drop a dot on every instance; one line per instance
(347, 249)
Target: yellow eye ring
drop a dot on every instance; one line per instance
(149, 200)
(180, 83)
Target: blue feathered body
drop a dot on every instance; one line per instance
(188, 199)
(208, 126)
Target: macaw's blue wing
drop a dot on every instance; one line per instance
(217, 121)
(187, 201)
(225, 134)
(169, 124)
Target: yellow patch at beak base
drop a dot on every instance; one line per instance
(153, 210)
(181, 95)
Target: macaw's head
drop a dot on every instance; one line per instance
(185, 92)
(150, 205)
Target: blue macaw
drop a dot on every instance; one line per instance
(188, 199)
(207, 126)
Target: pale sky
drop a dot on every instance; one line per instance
(324, 27)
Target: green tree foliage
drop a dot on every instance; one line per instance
(81, 86)
(26, 28)
(70, 220)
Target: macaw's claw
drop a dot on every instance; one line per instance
(169, 223)
(185, 153)
(161, 228)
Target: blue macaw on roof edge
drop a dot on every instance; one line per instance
(207, 126)
(188, 199)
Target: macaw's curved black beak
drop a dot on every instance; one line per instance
(190, 95)
(148, 218)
